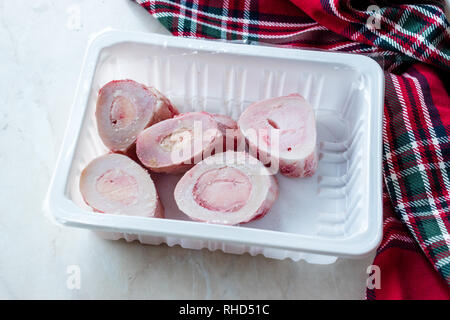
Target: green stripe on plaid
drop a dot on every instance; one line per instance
(408, 182)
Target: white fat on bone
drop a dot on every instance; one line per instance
(125, 108)
(228, 188)
(175, 145)
(113, 183)
(282, 132)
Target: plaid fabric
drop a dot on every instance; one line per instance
(405, 272)
(412, 43)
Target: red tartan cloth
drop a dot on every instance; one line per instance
(412, 42)
(406, 274)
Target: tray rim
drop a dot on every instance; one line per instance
(64, 211)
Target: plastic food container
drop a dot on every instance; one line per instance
(337, 212)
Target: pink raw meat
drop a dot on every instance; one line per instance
(175, 145)
(125, 108)
(232, 137)
(113, 183)
(291, 118)
(227, 188)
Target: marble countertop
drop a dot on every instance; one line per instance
(41, 49)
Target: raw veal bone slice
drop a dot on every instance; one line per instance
(125, 108)
(113, 183)
(232, 137)
(227, 188)
(291, 118)
(175, 145)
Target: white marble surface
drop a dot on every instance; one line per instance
(41, 49)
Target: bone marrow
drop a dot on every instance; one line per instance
(125, 108)
(283, 131)
(175, 145)
(228, 188)
(114, 183)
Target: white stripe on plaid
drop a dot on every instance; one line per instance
(435, 239)
(234, 19)
(392, 174)
(399, 28)
(181, 17)
(223, 32)
(247, 18)
(423, 202)
(431, 130)
(316, 27)
(381, 37)
(403, 18)
(343, 46)
(418, 214)
(152, 4)
(389, 220)
(355, 35)
(398, 194)
(375, 51)
(427, 166)
(437, 150)
(420, 143)
(423, 173)
(194, 17)
(396, 27)
(442, 262)
(422, 36)
(419, 8)
(396, 237)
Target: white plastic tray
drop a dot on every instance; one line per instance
(337, 212)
